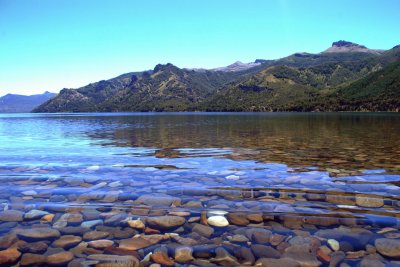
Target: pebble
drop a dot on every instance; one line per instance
(203, 230)
(101, 244)
(333, 244)
(183, 254)
(67, 241)
(9, 256)
(36, 234)
(369, 201)
(218, 221)
(136, 224)
(11, 216)
(35, 214)
(162, 258)
(388, 247)
(60, 259)
(165, 222)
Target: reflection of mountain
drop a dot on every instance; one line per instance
(337, 141)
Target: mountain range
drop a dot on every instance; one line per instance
(11, 103)
(344, 77)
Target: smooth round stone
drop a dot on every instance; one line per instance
(35, 214)
(60, 259)
(334, 244)
(218, 221)
(101, 244)
(95, 235)
(36, 234)
(114, 260)
(11, 216)
(388, 247)
(368, 201)
(29, 259)
(165, 222)
(67, 241)
(136, 224)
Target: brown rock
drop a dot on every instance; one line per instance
(255, 217)
(369, 201)
(165, 222)
(183, 254)
(95, 235)
(140, 242)
(35, 248)
(67, 241)
(238, 218)
(114, 261)
(29, 259)
(9, 256)
(37, 234)
(162, 258)
(60, 259)
(101, 243)
(264, 262)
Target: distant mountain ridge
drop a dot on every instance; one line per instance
(12, 103)
(344, 46)
(301, 81)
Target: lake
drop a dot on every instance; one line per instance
(207, 189)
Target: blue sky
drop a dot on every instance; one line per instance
(52, 44)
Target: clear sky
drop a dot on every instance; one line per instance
(52, 44)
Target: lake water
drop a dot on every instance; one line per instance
(207, 189)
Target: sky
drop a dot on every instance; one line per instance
(55, 44)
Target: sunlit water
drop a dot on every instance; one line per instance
(306, 172)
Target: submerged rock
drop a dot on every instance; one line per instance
(165, 222)
(218, 221)
(388, 247)
(36, 234)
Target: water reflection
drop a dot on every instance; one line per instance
(231, 189)
(337, 142)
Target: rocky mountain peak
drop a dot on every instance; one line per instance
(346, 46)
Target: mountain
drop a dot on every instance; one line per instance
(238, 66)
(302, 81)
(21, 103)
(344, 46)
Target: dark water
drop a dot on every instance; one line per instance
(301, 179)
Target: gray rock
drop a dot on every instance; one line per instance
(37, 234)
(203, 230)
(11, 216)
(302, 255)
(35, 214)
(388, 247)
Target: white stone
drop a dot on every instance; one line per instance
(218, 221)
(93, 168)
(334, 244)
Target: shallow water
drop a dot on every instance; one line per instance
(300, 178)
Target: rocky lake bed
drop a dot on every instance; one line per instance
(70, 196)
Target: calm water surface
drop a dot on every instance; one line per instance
(301, 179)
